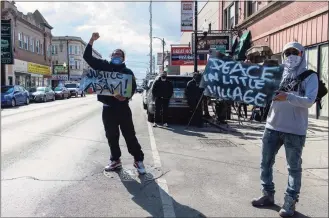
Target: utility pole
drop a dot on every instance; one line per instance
(163, 54)
(151, 56)
(195, 36)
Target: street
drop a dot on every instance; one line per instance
(53, 155)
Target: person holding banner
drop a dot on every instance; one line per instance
(116, 111)
(287, 124)
(194, 94)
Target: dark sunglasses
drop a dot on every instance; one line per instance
(291, 52)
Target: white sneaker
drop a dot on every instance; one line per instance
(165, 125)
(155, 125)
(140, 167)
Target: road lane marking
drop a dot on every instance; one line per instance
(167, 202)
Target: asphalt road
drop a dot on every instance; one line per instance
(53, 154)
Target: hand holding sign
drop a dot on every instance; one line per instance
(108, 83)
(281, 96)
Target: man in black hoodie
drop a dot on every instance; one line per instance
(116, 111)
(162, 91)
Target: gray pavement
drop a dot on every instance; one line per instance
(53, 156)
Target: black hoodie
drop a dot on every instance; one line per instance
(104, 65)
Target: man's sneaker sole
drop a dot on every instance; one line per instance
(110, 169)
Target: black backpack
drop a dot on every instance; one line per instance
(322, 90)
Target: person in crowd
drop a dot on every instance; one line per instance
(162, 91)
(244, 106)
(194, 94)
(116, 110)
(205, 103)
(287, 124)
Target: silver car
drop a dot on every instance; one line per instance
(178, 106)
(144, 94)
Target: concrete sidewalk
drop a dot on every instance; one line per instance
(315, 154)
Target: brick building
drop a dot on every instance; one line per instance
(31, 44)
(272, 24)
(68, 51)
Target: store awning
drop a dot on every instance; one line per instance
(243, 46)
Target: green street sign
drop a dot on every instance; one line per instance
(7, 56)
(59, 69)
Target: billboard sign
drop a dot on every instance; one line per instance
(187, 16)
(216, 41)
(6, 43)
(182, 56)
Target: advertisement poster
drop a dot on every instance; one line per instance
(182, 56)
(187, 16)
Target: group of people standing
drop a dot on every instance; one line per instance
(286, 123)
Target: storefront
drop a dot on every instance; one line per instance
(22, 77)
(59, 76)
(40, 75)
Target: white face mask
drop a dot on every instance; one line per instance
(292, 61)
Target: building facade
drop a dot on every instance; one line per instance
(31, 44)
(272, 24)
(67, 54)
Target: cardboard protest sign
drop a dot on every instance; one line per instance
(241, 82)
(107, 83)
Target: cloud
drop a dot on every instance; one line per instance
(120, 25)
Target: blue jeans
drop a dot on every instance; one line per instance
(272, 142)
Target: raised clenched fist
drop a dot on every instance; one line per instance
(95, 36)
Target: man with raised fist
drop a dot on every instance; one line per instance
(116, 110)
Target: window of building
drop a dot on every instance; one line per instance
(20, 40)
(236, 6)
(26, 42)
(41, 48)
(56, 62)
(251, 7)
(32, 45)
(75, 49)
(230, 16)
(71, 49)
(38, 46)
(54, 49)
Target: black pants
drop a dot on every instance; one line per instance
(161, 104)
(120, 116)
(244, 108)
(197, 118)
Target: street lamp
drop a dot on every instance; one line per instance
(68, 58)
(163, 45)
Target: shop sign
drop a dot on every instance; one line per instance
(38, 69)
(182, 56)
(187, 16)
(60, 69)
(7, 56)
(217, 41)
(60, 77)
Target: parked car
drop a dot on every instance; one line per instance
(14, 95)
(178, 103)
(75, 90)
(139, 89)
(43, 94)
(62, 92)
(144, 94)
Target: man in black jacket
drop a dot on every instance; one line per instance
(162, 91)
(116, 111)
(193, 94)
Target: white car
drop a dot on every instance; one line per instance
(147, 88)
